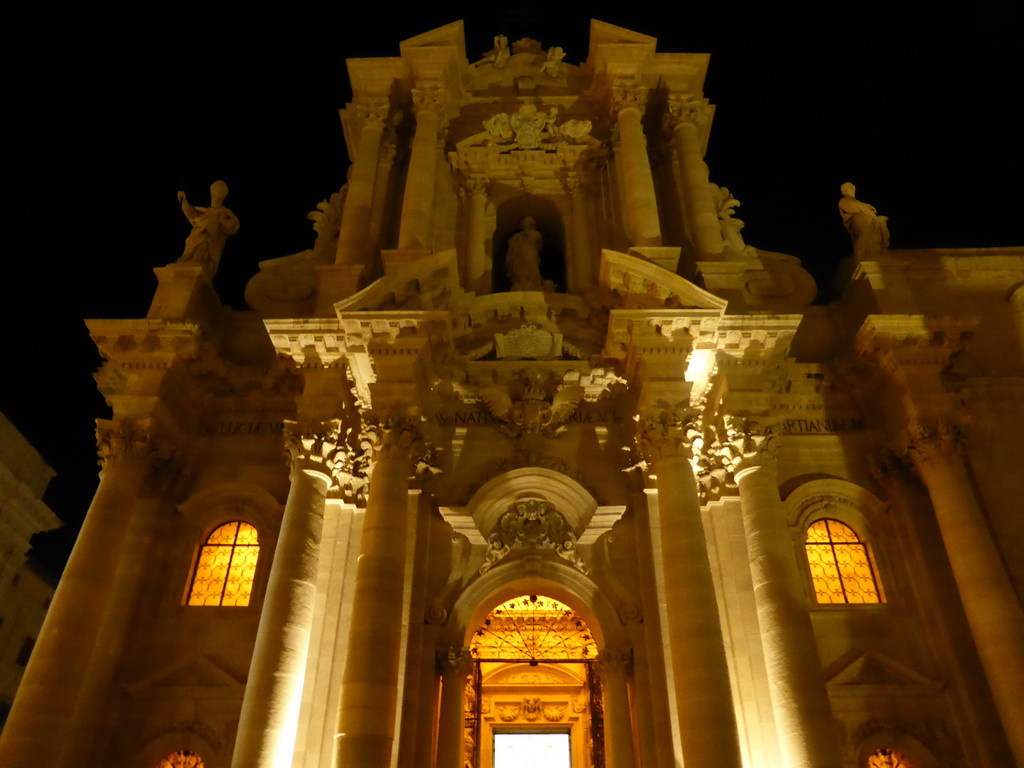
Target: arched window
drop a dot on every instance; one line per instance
(183, 758)
(226, 566)
(888, 758)
(840, 567)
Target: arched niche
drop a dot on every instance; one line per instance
(550, 218)
(534, 576)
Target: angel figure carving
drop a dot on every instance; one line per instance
(532, 413)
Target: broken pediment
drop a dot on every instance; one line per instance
(642, 283)
(425, 282)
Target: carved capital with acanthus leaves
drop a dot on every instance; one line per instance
(725, 449)
(686, 111)
(373, 113)
(327, 448)
(928, 445)
(668, 434)
(138, 442)
(628, 96)
(398, 439)
(614, 662)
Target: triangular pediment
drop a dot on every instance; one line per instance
(871, 670)
(644, 284)
(603, 33)
(189, 675)
(450, 34)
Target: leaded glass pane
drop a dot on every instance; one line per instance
(226, 567)
(841, 570)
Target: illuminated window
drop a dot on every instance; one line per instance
(226, 566)
(840, 567)
(533, 628)
(183, 758)
(888, 758)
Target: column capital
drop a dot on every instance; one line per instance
(325, 448)
(456, 661)
(668, 434)
(680, 110)
(928, 444)
(140, 441)
(476, 185)
(613, 661)
(626, 96)
(373, 113)
(430, 99)
(393, 437)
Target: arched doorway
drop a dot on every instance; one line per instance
(533, 697)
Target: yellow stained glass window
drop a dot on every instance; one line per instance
(533, 628)
(226, 566)
(840, 567)
(183, 758)
(888, 758)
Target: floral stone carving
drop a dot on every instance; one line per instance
(532, 524)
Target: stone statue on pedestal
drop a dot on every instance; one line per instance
(868, 230)
(211, 228)
(522, 259)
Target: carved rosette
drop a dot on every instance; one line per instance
(669, 434)
(326, 447)
(532, 524)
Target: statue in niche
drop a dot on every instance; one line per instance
(211, 228)
(522, 259)
(868, 230)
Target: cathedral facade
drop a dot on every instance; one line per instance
(532, 454)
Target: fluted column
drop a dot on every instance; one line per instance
(357, 216)
(990, 601)
(418, 200)
(478, 267)
(37, 729)
(273, 693)
(612, 666)
(803, 715)
(707, 720)
(369, 693)
(701, 211)
(642, 224)
(455, 668)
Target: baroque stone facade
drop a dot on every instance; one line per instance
(531, 361)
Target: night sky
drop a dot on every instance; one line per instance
(108, 115)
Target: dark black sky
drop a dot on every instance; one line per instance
(108, 114)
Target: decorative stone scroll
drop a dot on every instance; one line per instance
(532, 524)
(328, 447)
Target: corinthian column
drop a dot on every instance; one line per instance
(642, 224)
(612, 667)
(803, 715)
(270, 708)
(584, 272)
(990, 601)
(356, 218)
(369, 692)
(455, 668)
(707, 721)
(701, 211)
(418, 200)
(37, 729)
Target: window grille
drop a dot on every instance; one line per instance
(533, 628)
(840, 567)
(888, 758)
(183, 758)
(226, 566)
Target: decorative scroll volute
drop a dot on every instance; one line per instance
(325, 447)
(669, 434)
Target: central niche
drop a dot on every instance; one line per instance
(533, 684)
